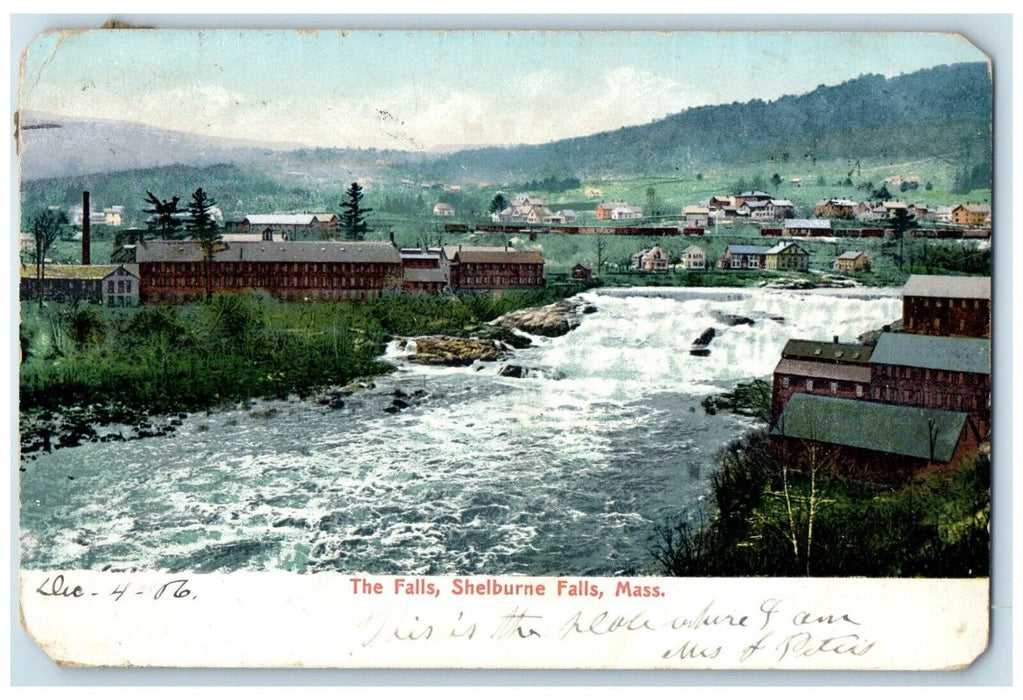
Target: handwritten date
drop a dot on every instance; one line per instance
(59, 587)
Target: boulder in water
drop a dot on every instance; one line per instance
(516, 371)
(549, 321)
(733, 319)
(456, 352)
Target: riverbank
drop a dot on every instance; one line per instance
(136, 369)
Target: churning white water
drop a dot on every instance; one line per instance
(567, 470)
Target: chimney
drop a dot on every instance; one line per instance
(392, 237)
(86, 215)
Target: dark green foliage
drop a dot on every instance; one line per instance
(202, 227)
(164, 216)
(353, 214)
(974, 177)
(934, 526)
(498, 203)
(163, 359)
(549, 184)
(751, 399)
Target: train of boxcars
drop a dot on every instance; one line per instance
(944, 233)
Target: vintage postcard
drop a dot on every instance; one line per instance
(482, 349)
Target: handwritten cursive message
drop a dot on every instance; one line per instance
(334, 620)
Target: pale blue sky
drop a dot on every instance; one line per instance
(413, 90)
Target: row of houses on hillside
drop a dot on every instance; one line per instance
(787, 256)
(917, 396)
(617, 211)
(755, 205)
(968, 214)
(525, 209)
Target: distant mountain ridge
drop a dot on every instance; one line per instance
(958, 95)
(58, 146)
(868, 115)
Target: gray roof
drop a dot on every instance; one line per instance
(855, 424)
(267, 251)
(947, 286)
(851, 255)
(933, 352)
(413, 274)
(498, 255)
(824, 370)
(808, 223)
(782, 246)
(753, 193)
(831, 352)
(747, 249)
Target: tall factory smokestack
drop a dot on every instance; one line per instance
(86, 215)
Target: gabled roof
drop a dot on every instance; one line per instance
(754, 193)
(782, 203)
(851, 255)
(855, 424)
(498, 255)
(933, 352)
(947, 286)
(693, 249)
(824, 370)
(70, 272)
(781, 247)
(272, 251)
(280, 219)
(747, 249)
(975, 208)
(849, 353)
(415, 274)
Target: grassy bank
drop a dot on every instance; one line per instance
(791, 517)
(119, 364)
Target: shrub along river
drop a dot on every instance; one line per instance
(436, 470)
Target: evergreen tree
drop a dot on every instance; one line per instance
(204, 230)
(353, 214)
(498, 203)
(163, 216)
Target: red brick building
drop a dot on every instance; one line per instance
(174, 271)
(945, 305)
(825, 369)
(425, 270)
(495, 268)
(934, 372)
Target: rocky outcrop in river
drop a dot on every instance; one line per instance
(549, 321)
(452, 351)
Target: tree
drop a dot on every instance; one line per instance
(601, 245)
(203, 228)
(164, 215)
(353, 216)
(498, 203)
(902, 221)
(46, 228)
(776, 180)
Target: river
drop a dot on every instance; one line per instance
(568, 470)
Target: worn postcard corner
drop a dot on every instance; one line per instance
(481, 349)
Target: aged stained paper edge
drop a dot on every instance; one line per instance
(1001, 308)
